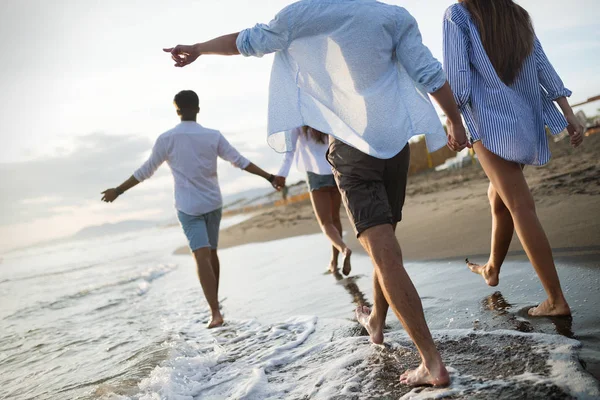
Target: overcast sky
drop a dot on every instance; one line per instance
(86, 89)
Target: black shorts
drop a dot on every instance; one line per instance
(373, 190)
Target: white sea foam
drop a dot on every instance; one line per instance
(292, 360)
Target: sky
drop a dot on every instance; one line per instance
(86, 89)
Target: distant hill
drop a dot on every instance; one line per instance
(112, 229)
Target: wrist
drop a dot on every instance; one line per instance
(271, 178)
(119, 191)
(197, 48)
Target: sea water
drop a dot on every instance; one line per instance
(122, 318)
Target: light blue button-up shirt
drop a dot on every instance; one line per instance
(356, 69)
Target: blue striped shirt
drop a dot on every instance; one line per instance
(509, 120)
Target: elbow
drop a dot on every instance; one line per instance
(432, 79)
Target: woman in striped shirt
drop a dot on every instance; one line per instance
(505, 87)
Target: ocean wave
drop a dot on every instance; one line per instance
(246, 360)
(145, 278)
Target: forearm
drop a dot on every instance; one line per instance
(253, 169)
(128, 184)
(445, 98)
(223, 45)
(564, 105)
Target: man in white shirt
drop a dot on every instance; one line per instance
(191, 151)
(358, 71)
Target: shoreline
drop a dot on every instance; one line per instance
(447, 216)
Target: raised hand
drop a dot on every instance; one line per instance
(183, 54)
(109, 195)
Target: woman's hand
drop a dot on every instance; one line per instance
(457, 136)
(279, 182)
(575, 129)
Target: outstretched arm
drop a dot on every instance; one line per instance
(187, 54)
(257, 41)
(110, 195)
(256, 170)
(228, 153)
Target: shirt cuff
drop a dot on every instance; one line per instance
(564, 92)
(242, 163)
(243, 43)
(139, 176)
(436, 82)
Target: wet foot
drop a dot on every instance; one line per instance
(375, 330)
(422, 376)
(333, 267)
(547, 309)
(347, 267)
(215, 321)
(489, 273)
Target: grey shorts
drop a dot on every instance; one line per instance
(316, 181)
(201, 230)
(373, 190)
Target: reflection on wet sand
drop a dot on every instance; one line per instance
(349, 283)
(500, 306)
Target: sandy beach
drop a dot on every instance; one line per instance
(447, 213)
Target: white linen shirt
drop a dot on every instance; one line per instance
(354, 69)
(310, 156)
(191, 152)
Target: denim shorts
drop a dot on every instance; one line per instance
(202, 230)
(316, 181)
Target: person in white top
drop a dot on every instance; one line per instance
(310, 156)
(191, 151)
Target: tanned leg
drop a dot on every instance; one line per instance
(508, 180)
(209, 284)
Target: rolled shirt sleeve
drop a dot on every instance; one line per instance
(228, 153)
(157, 157)
(415, 57)
(264, 39)
(547, 75)
(456, 62)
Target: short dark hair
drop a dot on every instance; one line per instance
(187, 100)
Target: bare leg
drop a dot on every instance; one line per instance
(502, 233)
(209, 284)
(509, 181)
(336, 203)
(216, 267)
(399, 291)
(374, 320)
(321, 200)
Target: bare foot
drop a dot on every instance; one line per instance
(422, 376)
(333, 267)
(347, 267)
(363, 315)
(488, 272)
(547, 309)
(215, 321)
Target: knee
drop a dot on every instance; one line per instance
(496, 204)
(203, 253)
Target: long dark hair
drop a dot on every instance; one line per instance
(506, 33)
(314, 134)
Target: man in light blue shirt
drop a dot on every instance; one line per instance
(358, 71)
